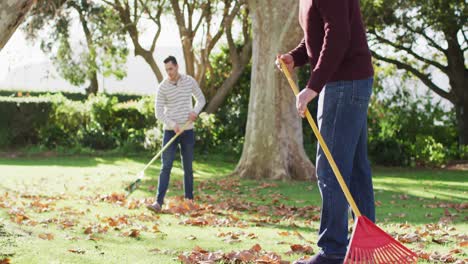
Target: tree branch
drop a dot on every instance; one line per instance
(411, 52)
(421, 76)
(178, 14)
(205, 12)
(429, 39)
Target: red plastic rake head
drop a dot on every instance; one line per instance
(371, 245)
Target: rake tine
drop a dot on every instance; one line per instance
(353, 256)
(387, 258)
(395, 254)
(379, 258)
(368, 256)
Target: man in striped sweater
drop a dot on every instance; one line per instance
(174, 108)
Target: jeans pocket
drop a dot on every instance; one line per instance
(362, 91)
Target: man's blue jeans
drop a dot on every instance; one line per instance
(342, 120)
(186, 141)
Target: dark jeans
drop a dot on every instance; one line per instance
(186, 141)
(342, 120)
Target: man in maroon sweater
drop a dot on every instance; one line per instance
(335, 47)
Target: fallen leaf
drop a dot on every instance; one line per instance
(132, 233)
(440, 241)
(47, 236)
(256, 248)
(77, 251)
(408, 238)
(5, 261)
(301, 249)
(463, 244)
(191, 237)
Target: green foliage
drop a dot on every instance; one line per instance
(409, 129)
(69, 95)
(231, 118)
(105, 50)
(20, 120)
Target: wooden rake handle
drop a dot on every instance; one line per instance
(322, 143)
(185, 126)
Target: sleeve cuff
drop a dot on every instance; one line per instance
(299, 59)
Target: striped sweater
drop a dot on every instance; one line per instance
(174, 103)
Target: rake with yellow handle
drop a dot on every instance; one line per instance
(368, 243)
(134, 185)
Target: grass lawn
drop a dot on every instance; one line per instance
(72, 210)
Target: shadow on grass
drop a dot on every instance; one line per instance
(402, 196)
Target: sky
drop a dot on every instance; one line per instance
(24, 66)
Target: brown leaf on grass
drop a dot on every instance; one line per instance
(447, 258)
(182, 206)
(244, 256)
(66, 223)
(284, 233)
(409, 238)
(77, 251)
(93, 237)
(316, 217)
(119, 198)
(72, 238)
(270, 258)
(200, 221)
(132, 233)
(300, 249)
(18, 216)
(256, 248)
(253, 255)
(88, 230)
(463, 244)
(119, 221)
(148, 217)
(441, 240)
(39, 206)
(46, 236)
(155, 229)
(252, 236)
(5, 261)
(97, 228)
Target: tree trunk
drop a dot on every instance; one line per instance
(148, 57)
(93, 84)
(93, 87)
(187, 47)
(273, 147)
(458, 79)
(12, 13)
(223, 91)
(462, 120)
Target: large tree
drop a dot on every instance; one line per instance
(273, 145)
(425, 38)
(12, 13)
(208, 21)
(131, 13)
(105, 50)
